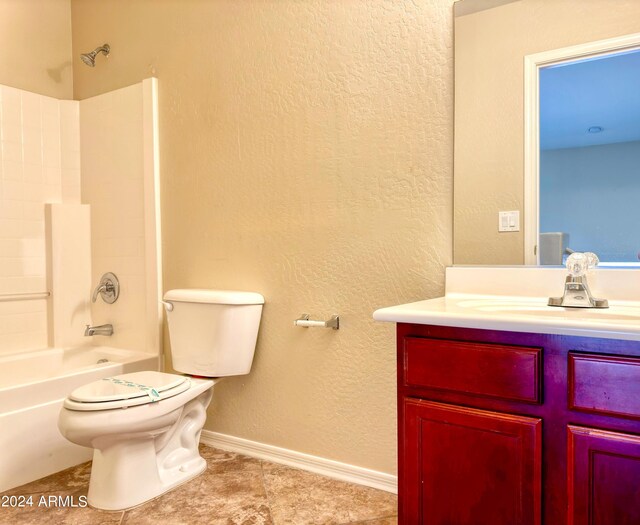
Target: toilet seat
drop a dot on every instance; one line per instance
(127, 390)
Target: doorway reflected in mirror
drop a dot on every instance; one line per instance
(590, 158)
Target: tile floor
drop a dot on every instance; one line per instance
(233, 490)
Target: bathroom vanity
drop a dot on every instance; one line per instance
(511, 412)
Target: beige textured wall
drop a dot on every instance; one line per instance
(489, 128)
(35, 44)
(306, 153)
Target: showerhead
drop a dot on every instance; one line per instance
(90, 58)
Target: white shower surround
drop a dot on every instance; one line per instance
(117, 138)
(39, 163)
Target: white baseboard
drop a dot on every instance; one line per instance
(291, 458)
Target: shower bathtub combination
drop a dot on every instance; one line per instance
(33, 386)
(53, 336)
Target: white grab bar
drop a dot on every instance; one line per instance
(6, 297)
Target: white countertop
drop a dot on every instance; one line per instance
(520, 313)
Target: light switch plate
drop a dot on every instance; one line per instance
(509, 221)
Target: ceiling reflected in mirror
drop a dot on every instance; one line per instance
(590, 102)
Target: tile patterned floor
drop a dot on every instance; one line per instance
(234, 490)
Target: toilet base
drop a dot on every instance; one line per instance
(97, 499)
(133, 469)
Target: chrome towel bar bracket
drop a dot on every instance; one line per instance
(303, 320)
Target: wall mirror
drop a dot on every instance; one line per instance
(547, 124)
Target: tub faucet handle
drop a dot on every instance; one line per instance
(99, 289)
(108, 288)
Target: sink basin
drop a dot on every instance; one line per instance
(538, 307)
(519, 314)
(515, 299)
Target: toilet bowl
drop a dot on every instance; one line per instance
(143, 447)
(145, 427)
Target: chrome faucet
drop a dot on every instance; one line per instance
(576, 289)
(103, 329)
(108, 288)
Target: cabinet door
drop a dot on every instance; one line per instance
(463, 466)
(604, 477)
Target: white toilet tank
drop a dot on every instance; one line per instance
(213, 332)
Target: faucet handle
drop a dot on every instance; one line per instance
(108, 288)
(579, 263)
(592, 260)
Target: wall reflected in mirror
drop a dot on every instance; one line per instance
(590, 189)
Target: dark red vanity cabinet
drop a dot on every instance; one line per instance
(505, 428)
(604, 477)
(484, 465)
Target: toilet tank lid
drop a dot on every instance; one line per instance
(194, 295)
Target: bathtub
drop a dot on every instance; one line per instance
(33, 386)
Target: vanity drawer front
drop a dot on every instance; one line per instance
(481, 369)
(604, 384)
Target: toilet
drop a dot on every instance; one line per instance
(145, 427)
